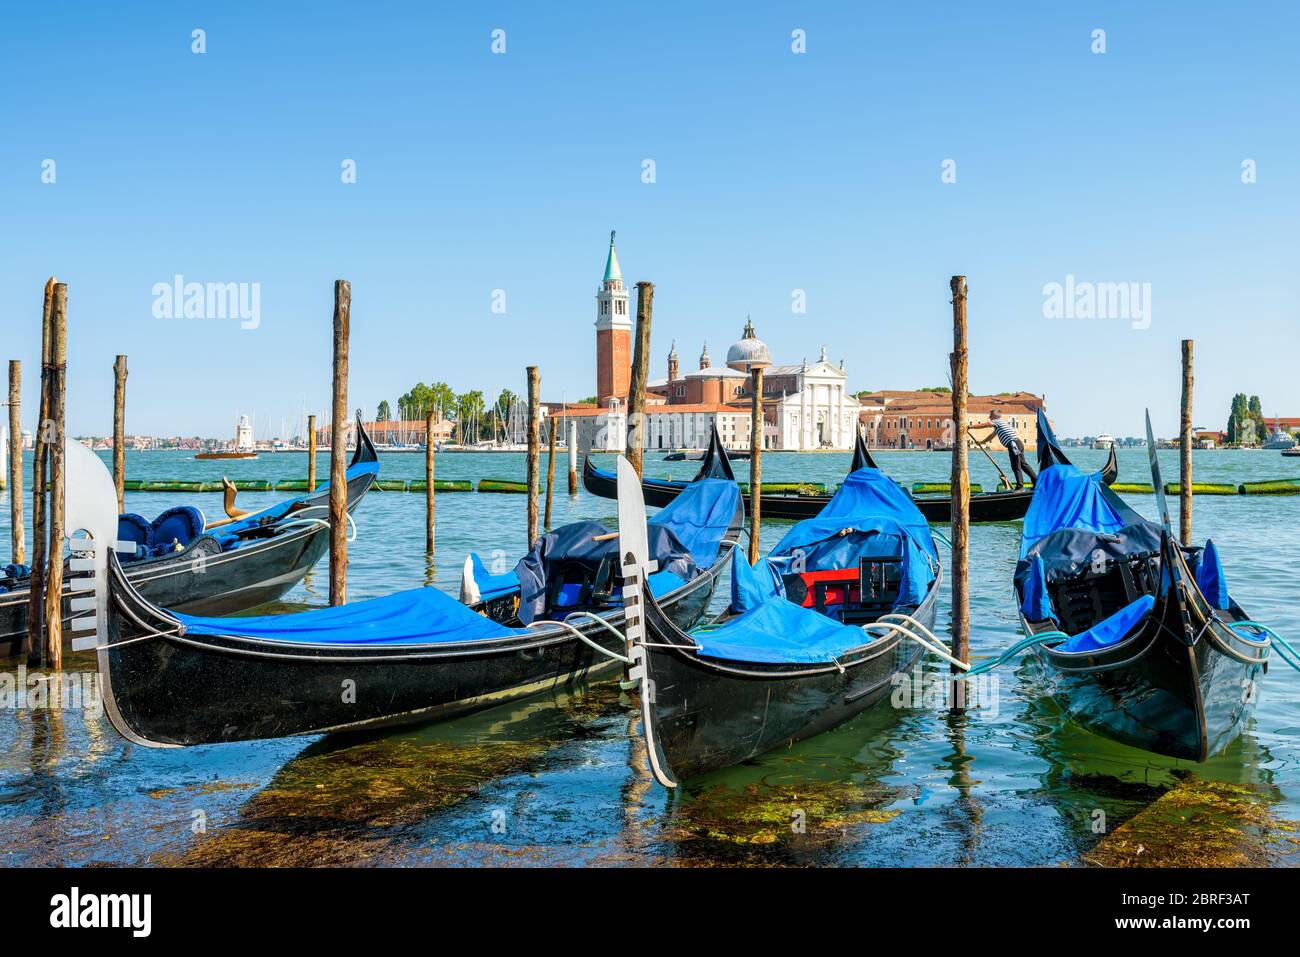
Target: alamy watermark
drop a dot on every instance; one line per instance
(55, 691)
(179, 299)
(1129, 301)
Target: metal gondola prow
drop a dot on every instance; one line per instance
(634, 557)
(1049, 450)
(365, 448)
(716, 464)
(861, 456)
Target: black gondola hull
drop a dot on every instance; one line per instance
(1156, 693)
(1008, 506)
(703, 715)
(176, 689)
(203, 580)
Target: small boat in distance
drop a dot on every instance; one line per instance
(243, 447)
(1279, 438)
(1103, 442)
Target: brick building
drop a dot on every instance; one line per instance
(923, 420)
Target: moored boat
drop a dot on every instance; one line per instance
(999, 506)
(171, 679)
(1138, 637)
(182, 561)
(819, 631)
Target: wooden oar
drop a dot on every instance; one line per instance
(1005, 480)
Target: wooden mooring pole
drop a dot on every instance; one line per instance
(534, 451)
(573, 456)
(338, 446)
(756, 465)
(58, 417)
(550, 472)
(119, 430)
(18, 547)
(35, 644)
(1185, 451)
(960, 489)
(428, 482)
(311, 453)
(636, 420)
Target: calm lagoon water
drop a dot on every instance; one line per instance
(559, 780)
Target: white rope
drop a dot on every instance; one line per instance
(583, 638)
(894, 628)
(919, 626)
(352, 525)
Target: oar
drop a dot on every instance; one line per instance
(1161, 502)
(1005, 480)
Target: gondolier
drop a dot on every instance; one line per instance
(1015, 448)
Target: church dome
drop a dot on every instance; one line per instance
(750, 352)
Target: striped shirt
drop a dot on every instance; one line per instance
(1006, 434)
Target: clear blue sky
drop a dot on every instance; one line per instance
(775, 172)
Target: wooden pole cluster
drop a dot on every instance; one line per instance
(755, 465)
(338, 446)
(1185, 451)
(18, 548)
(311, 453)
(534, 451)
(35, 644)
(58, 419)
(119, 430)
(573, 456)
(428, 482)
(645, 301)
(960, 487)
(550, 473)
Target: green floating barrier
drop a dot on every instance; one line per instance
(132, 485)
(1202, 488)
(390, 485)
(1283, 487)
(923, 488)
(439, 485)
(501, 485)
(1134, 488)
(291, 485)
(254, 485)
(172, 486)
(789, 488)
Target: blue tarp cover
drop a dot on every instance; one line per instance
(1110, 630)
(775, 630)
(684, 538)
(868, 508)
(415, 617)
(1065, 497)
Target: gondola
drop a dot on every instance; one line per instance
(814, 634)
(1002, 506)
(407, 657)
(1141, 642)
(182, 562)
(735, 455)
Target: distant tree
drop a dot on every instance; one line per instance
(469, 415)
(1237, 416)
(385, 414)
(939, 388)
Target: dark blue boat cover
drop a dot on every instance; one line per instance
(684, 538)
(415, 617)
(774, 630)
(869, 507)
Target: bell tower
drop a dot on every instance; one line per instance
(613, 333)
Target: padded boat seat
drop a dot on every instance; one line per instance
(1210, 578)
(177, 526)
(1112, 630)
(137, 530)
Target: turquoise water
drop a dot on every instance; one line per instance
(561, 781)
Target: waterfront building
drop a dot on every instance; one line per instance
(921, 419)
